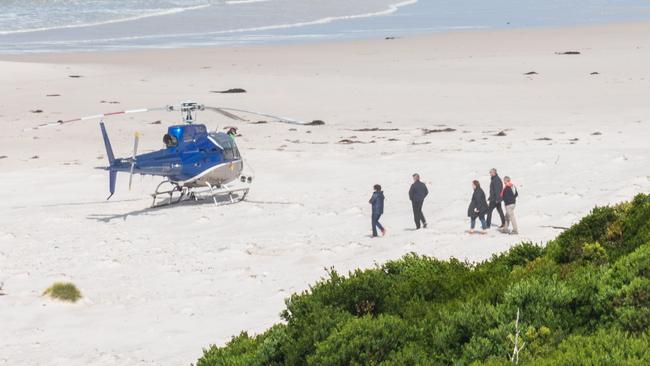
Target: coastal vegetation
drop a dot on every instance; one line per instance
(583, 298)
(64, 291)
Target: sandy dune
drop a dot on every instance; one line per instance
(159, 284)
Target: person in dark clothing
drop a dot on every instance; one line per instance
(417, 194)
(477, 207)
(377, 202)
(509, 196)
(496, 186)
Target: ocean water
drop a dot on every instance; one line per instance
(87, 25)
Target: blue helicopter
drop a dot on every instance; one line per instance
(194, 162)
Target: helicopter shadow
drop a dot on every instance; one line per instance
(163, 206)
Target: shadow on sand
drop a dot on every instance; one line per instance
(164, 205)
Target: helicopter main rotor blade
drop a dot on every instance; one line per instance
(103, 115)
(225, 111)
(135, 152)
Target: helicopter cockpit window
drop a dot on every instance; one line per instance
(170, 140)
(230, 150)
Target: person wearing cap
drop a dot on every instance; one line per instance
(494, 200)
(417, 193)
(377, 202)
(509, 195)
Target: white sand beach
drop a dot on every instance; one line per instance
(160, 284)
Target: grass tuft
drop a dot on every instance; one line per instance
(64, 291)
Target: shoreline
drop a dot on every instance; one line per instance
(68, 56)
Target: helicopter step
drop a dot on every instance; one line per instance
(177, 194)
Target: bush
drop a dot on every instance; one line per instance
(64, 291)
(363, 341)
(583, 299)
(605, 347)
(264, 350)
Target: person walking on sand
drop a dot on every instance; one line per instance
(477, 208)
(377, 202)
(417, 194)
(496, 187)
(509, 195)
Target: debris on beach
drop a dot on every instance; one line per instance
(36, 111)
(420, 143)
(156, 122)
(501, 134)
(393, 139)
(350, 141)
(34, 157)
(426, 131)
(3, 157)
(544, 139)
(574, 139)
(597, 133)
(229, 91)
(316, 122)
(568, 53)
(595, 73)
(390, 38)
(375, 129)
(53, 95)
(531, 73)
(75, 76)
(259, 123)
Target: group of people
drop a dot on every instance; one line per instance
(501, 193)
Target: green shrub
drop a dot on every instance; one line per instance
(583, 299)
(64, 291)
(605, 347)
(363, 341)
(592, 228)
(594, 252)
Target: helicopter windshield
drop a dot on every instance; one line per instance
(170, 140)
(230, 150)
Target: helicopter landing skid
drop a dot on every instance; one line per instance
(233, 195)
(183, 192)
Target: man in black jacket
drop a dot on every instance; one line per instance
(496, 186)
(417, 194)
(377, 202)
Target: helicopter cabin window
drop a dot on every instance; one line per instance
(170, 140)
(230, 150)
(190, 133)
